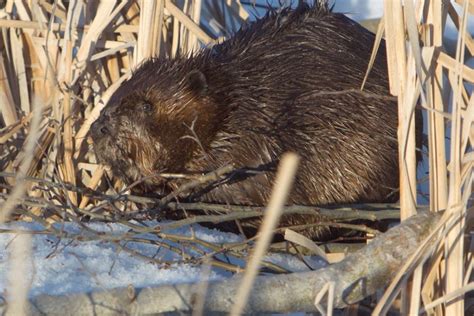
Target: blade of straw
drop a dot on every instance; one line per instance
(283, 183)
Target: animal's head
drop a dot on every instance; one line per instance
(155, 121)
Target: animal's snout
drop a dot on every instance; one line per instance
(104, 129)
(102, 126)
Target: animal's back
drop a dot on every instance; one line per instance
(294, 80)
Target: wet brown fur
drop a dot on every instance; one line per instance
(287, 82)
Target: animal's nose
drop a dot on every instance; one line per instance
(104, 130)
(101, 125)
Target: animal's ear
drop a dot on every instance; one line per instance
(197, 82)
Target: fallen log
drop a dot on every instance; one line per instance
(355, 278)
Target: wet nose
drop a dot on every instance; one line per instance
(103, 130)
(101, 125)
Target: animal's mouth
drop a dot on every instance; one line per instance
(129, 158)
(103, 148)
(108, 152)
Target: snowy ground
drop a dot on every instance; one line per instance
(65, 266)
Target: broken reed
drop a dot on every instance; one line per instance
(417, 65)
(61, 64)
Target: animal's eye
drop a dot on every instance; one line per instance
(147, 107)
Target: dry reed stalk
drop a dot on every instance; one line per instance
(67, 166)
(56, 27)
(65, 72)
(328, 289)
(20, 256)
(455, 240)
(113, 67)
(175, 40)
(378, 39)
(406, 130)
(41, 83)
(187, 22)
(18, 284)
(53, 9)
(117, 47)
(149, 35)
(237, 9)
(105, 15)
(160, 39)
(44, 141)
(193, 43)
(183, 32)
(412, 93)
(14, 128)
(416, 73)
(93, 183)
(405, 79)
(469, 42)
(448, 297)
(304, 241)
(20, 71)
(436, 134)
(28, 150)
(432, 277)
(415, 296)
(391, 48)
(7, 105)
(198, 309)
(470, 7)
(451, 64)
(283, 182)
(411, 81)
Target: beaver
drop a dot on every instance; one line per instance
(289, 81)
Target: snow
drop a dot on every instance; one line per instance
(360, 9)
(61, 266)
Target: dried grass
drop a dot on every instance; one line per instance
(421, 72)
(283, 184)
